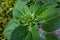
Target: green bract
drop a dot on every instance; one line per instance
(24, 26)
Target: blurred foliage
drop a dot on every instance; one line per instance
(6, 8)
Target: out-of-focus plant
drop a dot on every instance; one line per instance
(27, 14)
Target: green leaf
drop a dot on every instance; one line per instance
(50, 18)
(19, 33)
(58, 0)
(48, 1)
(29, 36)
(12, 24)
(50, 36)
(35, 33)
(33, 8)
(47, 8)
(52, 25)
(14, 31)
(21, 10)
(41, 9)
(52, 21)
